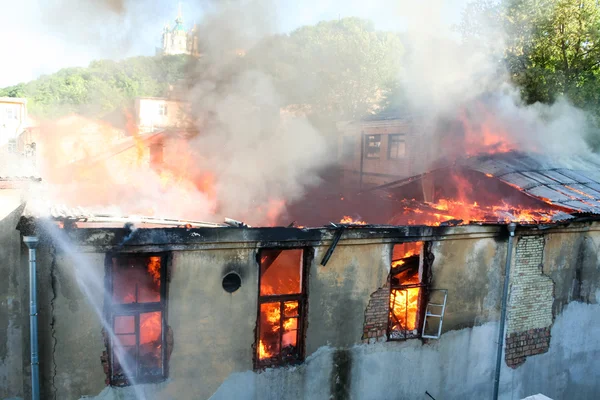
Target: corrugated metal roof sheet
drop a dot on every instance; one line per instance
(107, 216)
(572, 182)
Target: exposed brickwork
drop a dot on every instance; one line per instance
(376, 315)
(523, 344)
(530, 303)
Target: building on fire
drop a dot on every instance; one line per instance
(132, 307)
(379, 149)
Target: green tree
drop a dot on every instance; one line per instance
(551, 46)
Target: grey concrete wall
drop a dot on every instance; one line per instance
(11, 300)
(75, 329)
(458, 366)
(572, 261)
(472, 270)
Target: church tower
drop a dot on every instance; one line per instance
(177, 40)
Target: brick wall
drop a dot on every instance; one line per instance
(376, 315)
(523, 344)
(530, 303)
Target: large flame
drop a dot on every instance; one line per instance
(404, 300)
(87, 163)
(486, 135)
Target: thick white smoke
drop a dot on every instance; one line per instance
(446, 80)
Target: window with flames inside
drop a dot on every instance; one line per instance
(137, 314)
(281, 307)
(406, 291)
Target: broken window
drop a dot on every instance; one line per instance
(137, 315)
(281, 307)
(372, 146)
(396, 147)
(406, 291)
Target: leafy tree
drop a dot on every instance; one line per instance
(551, 47)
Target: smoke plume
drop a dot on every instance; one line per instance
(461, 90)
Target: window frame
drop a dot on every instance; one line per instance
(368, 141)
(162, 109)
(302, 298)
(11, 114)
(112, 310)
(422, 300)
(402, 139)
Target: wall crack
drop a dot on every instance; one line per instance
(53, 285)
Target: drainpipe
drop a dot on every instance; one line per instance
(32, 243)
(511, 230)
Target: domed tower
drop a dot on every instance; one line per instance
(177, 40)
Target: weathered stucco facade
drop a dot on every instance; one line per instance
(555, 286)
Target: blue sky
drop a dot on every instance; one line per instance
(42, 36)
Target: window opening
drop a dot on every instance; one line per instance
(11, 114)
(396, 147)
(281, 307)
(137, 312)
(372, 146)
(162, 109)
(406, 291)
(12, 145)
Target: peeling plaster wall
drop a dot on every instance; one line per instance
(11, 299)
(339, 293)
(214, 331)
(472, 270)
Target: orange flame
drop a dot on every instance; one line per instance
(404, 302)
(154, 269)
(486, 137)
(351, 221)
(263, 353)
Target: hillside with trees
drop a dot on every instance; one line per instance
(338, 69)
(101, 88)
(345, 68)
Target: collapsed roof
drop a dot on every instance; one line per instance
(555, 189)
(570, 185)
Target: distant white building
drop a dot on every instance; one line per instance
(13, 119)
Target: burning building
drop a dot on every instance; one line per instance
(477, 277)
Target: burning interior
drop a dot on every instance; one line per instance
(406, 290)
(137, 311)
(281, 306)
